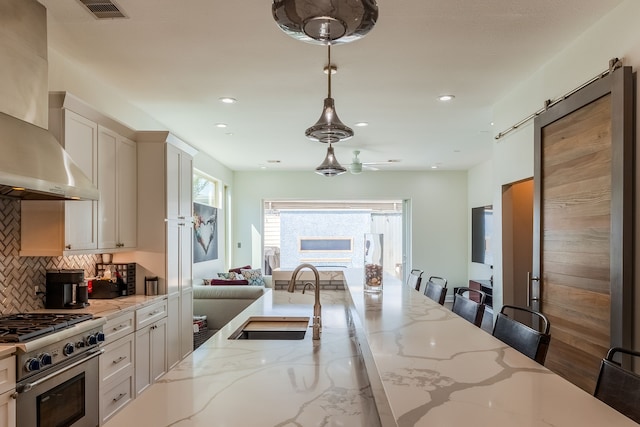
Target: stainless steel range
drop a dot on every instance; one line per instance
(57, 368)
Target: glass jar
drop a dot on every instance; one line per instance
(373, 253)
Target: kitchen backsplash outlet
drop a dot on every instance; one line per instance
(19, 275)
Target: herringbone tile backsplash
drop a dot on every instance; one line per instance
(19, 275)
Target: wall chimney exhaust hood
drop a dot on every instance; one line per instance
(34, 166)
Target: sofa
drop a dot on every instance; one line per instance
(221, 303)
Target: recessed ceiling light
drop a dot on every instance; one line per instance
(228, 100)
(445, 97)
(434, 166)
(221, 125)
(361, 124)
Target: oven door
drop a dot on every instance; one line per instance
(66, 396)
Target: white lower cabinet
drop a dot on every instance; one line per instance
(7, 388)
(117, 365)
(117, 395)
(173, 330)
(134, 356)
(186, 322)
(151, 345)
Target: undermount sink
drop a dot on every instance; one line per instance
(272, 328)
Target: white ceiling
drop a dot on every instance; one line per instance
(175, 59)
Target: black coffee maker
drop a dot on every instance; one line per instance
(66, 289)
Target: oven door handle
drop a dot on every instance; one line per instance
(23, 388)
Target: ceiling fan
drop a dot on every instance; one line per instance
(357, 166)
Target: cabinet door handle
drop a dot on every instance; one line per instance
(119, 327)
(120, 396)
(67, 247)
(118, 360)
(154, 312)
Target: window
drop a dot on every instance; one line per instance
(205, 189)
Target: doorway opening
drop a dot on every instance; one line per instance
(330, 234)
(517, 241)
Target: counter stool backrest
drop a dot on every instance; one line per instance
(619, 387)
(528, 341)
(436, 289)
(468, 309)
(415, 279)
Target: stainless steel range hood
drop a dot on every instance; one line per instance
(34, 166)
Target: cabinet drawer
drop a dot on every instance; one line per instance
(116, 397)
(118, 327)
(117, 358)
(7, 374)
(7, 410)
(147, 315)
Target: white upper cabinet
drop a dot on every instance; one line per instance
(50, 228)
(100, 147)
(80, 141)
(127, 173)
(118, 190)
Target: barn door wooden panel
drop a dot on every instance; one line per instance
(583, 201)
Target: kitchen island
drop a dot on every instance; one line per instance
(392, 359)
(263, 382)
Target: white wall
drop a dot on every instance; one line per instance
(616, 35)
(66, 75)
(439, 209)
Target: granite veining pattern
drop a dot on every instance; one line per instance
(434, 368)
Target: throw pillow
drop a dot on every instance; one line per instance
(239, 269)
(254, 277)
(206, 282)
(231, 276)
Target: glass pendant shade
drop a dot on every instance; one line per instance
(330, 166)
(329, 128)
(325, 21)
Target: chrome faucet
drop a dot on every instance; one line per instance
(317, 309)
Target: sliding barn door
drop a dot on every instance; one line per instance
(583, 201)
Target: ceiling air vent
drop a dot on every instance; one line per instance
(103, 9)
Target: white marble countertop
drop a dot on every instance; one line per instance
(425, 366)
(109, 308)
(429, 367)
(265, 383)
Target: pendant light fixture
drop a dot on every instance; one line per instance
(325, 21)
(330, 165)
(329, 128)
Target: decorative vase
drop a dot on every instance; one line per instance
(373, 252)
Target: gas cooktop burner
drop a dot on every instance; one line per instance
(23, 327)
